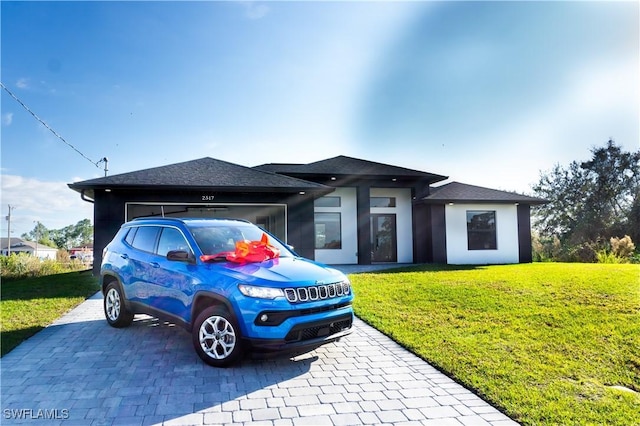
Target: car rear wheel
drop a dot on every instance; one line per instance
(216, 337)
(115, 311)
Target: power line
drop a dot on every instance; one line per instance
(95, 163)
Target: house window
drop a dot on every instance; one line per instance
(327, 229)
(327, 202)
(481, 230)
(382, 202)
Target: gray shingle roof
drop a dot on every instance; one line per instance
(348, 166)
(460, 192)
(4, 242)
(202, 173)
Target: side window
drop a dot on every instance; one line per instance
(130, 235)
(145, 238)
(171, 239)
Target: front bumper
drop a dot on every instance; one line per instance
(305, 336)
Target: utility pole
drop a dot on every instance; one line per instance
(104, 160)
(37, 236)
(9, 230)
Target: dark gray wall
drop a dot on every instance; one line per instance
(524, 234)
(439, 233)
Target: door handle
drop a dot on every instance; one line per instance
(124, 256)
(155, 264)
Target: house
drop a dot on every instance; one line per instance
(17, 245)
(341, 210)
(83, 253)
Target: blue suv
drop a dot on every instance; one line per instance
(232, 285)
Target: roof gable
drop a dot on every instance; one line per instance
(460, 192)
(204, 172)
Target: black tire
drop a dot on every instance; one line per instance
(115, 311)
(216, 337)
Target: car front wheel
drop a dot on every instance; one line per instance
(114, 309)
(216, 337)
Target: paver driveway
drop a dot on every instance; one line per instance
(81, 371)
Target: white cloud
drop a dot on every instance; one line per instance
(22, 83)
(254, 10)
(7, 119)
(51, 203)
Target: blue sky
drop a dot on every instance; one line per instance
(487, 93)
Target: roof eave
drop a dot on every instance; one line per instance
(89, 190)
(482, 201)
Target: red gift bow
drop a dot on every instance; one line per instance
(248, 251)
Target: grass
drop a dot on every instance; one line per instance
(544, 342)
(30, 304)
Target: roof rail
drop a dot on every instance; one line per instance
(181, 219)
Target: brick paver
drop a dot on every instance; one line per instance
(81, 371)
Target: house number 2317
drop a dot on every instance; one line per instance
(207, 198)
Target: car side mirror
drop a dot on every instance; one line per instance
(181, 256)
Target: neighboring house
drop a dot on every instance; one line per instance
(342, 210)
(83, 253)
(29, 247)
(4, 242)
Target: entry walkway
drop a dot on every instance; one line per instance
(80, 371)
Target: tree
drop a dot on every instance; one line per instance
(591, 201)
(39, 234)
(65, 238)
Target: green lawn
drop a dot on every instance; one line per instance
(28, 305)
(545, 342)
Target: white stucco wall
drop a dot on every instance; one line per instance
(348, 228)
(403, 219)
(506, 235)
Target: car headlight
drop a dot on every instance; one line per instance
(260, 292)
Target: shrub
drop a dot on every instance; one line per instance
(582, 253)
(622, 247)
(63, 256)
(23, 265)
(606, 256)
(620, 250)
(545, 249)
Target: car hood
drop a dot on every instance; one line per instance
(287, 271)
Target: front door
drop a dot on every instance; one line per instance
(383, 238)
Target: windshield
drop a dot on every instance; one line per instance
(220, 239)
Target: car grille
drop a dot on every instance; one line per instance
(308, 333)
(317, 292)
